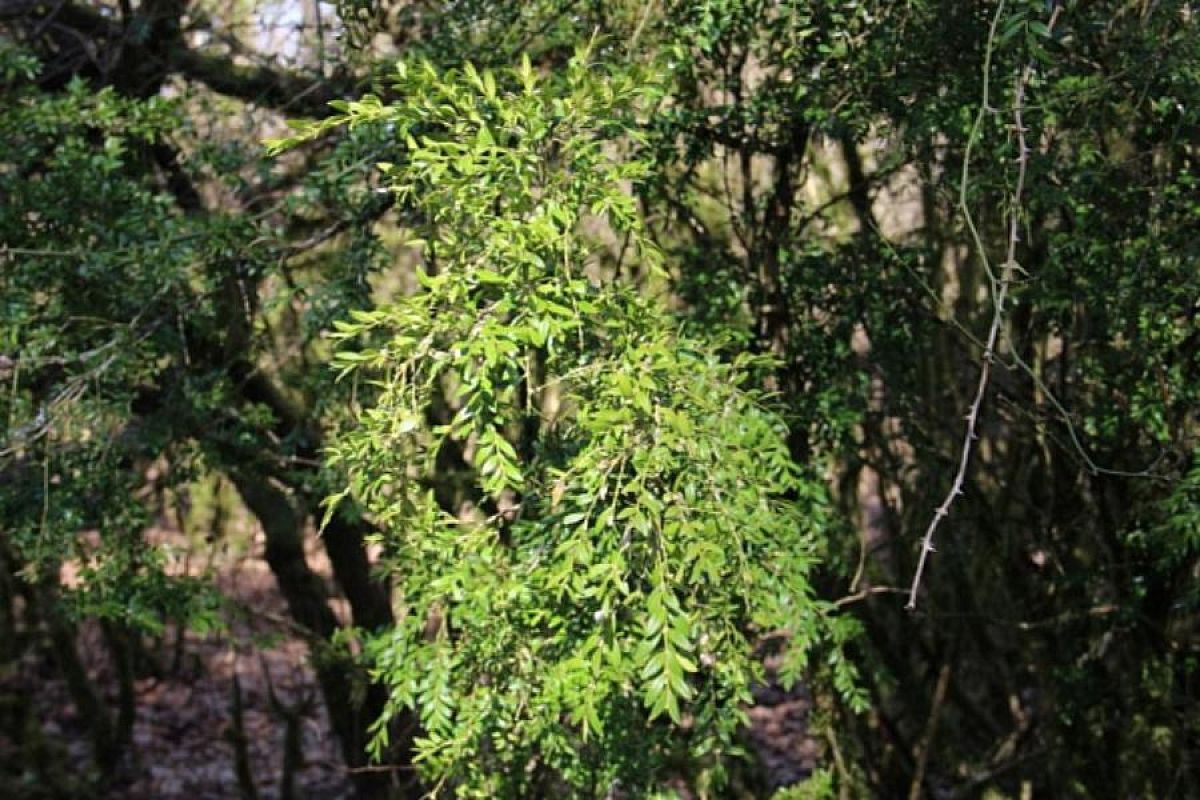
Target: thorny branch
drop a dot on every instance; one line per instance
(1000, 288)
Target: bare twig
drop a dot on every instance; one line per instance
(944, 313)
(1000, 287)
(381, 768)
(863, 594)
(637, 33)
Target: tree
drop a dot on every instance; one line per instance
(747, 227)
(134, 315)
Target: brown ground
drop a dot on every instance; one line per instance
(780, 736)
(182, 748)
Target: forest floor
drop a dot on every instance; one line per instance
(183, 735)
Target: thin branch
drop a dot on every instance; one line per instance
(297, 92)
(637, 33)
(1000, 293)
(5, 250)
(1090, 463)
(944, 313)
(972, 138)
(863, 594)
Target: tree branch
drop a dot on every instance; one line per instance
(264, 86)
(99, 35)
(1000, 293)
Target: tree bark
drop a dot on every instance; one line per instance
(306, 597)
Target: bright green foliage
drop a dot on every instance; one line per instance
(628, 524)
(818, 786)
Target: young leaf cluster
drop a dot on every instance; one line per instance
(590, 519)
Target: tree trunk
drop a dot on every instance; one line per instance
(306, 597)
